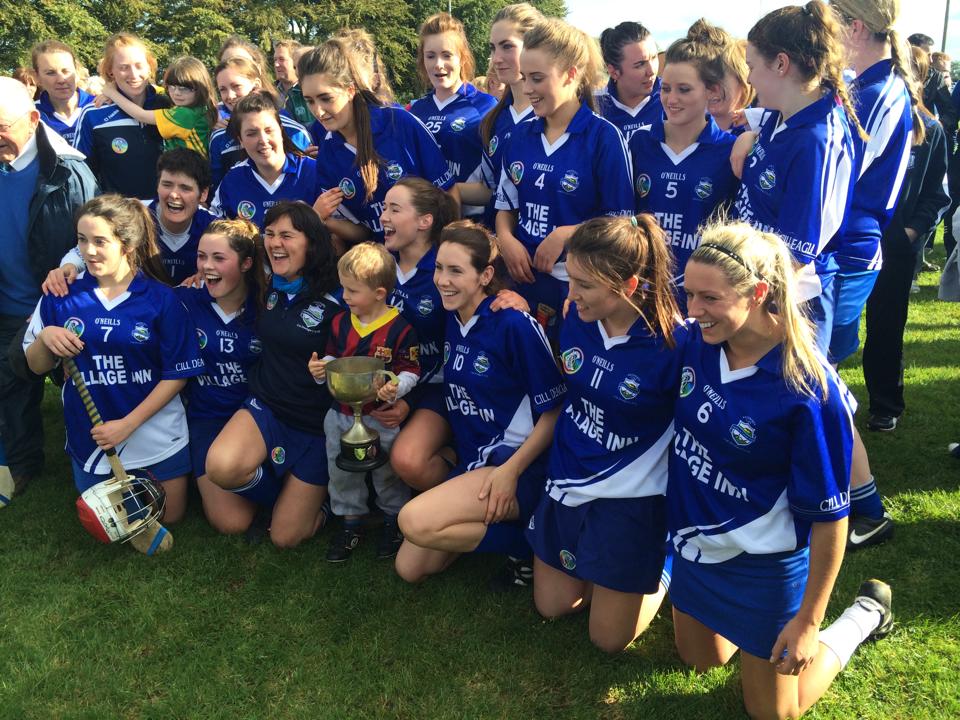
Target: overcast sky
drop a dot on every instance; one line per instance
(668, 21)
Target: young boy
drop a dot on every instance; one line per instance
(183, 180)
(372, 328)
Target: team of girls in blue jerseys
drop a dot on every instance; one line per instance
(623, 391)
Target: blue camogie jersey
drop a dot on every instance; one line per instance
(612, 438)
(225, 150)
(882, 103)
(499, 377)
(228, 345)
(405, 147)
(64, 126)
(244, 193)
(418, 300)
(491, 161)
(683, 190)
(455, 124)
(754, 463)
(131, 343)
(121, 152)
(585, 173)
(630, 119)
(797, 179)
(178, 251)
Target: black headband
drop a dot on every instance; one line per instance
(731, 254)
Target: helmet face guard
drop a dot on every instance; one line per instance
(118, 510)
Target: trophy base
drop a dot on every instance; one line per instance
(360, 457)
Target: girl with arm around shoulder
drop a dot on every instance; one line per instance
(274, 446)
(502, 394)
(758, 483)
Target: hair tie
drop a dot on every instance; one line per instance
(731, 254)
(633, 221)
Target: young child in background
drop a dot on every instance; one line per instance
(194, 113)
(371, 328)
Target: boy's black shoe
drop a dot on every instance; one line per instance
(342, 543)
(389, 539)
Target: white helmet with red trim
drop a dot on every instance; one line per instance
(118, 510)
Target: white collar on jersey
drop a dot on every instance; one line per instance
(727, 375)
(609, 342)
(518, 116)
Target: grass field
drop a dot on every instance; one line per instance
(220, 629)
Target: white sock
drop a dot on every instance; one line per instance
(854, 626)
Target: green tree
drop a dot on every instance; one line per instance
(199, 27)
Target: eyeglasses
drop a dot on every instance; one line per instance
(6, 127)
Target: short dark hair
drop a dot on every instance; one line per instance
(188, 162)
(920, 40)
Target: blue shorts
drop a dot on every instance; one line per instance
(747, 600)
(203, 431)
(546, 296)
(507, 537)
(289, 450)
(850, 293)
(173, 467)
(615, 543)
(431, 397)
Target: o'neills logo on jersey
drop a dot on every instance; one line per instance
(394, 171)
(459, 124)
(516, 172)
(246, 209)
(643, 185)
(312, 316)
(768, 179)
(744, 432)
(481, 364)
(74, 325)
(688, 381)
(492, 146)
(570, 181)
(704, 188)
(348, 188)
(202, 337)
(425, 306)
(141, 333)
(630, 387)
(572, 360)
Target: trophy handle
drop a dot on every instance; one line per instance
(392, 376)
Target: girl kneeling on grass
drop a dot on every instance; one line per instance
(758, 493)
(224, 313)
(134, 346)
(274, 445)
(599, 530)
(502, 393)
